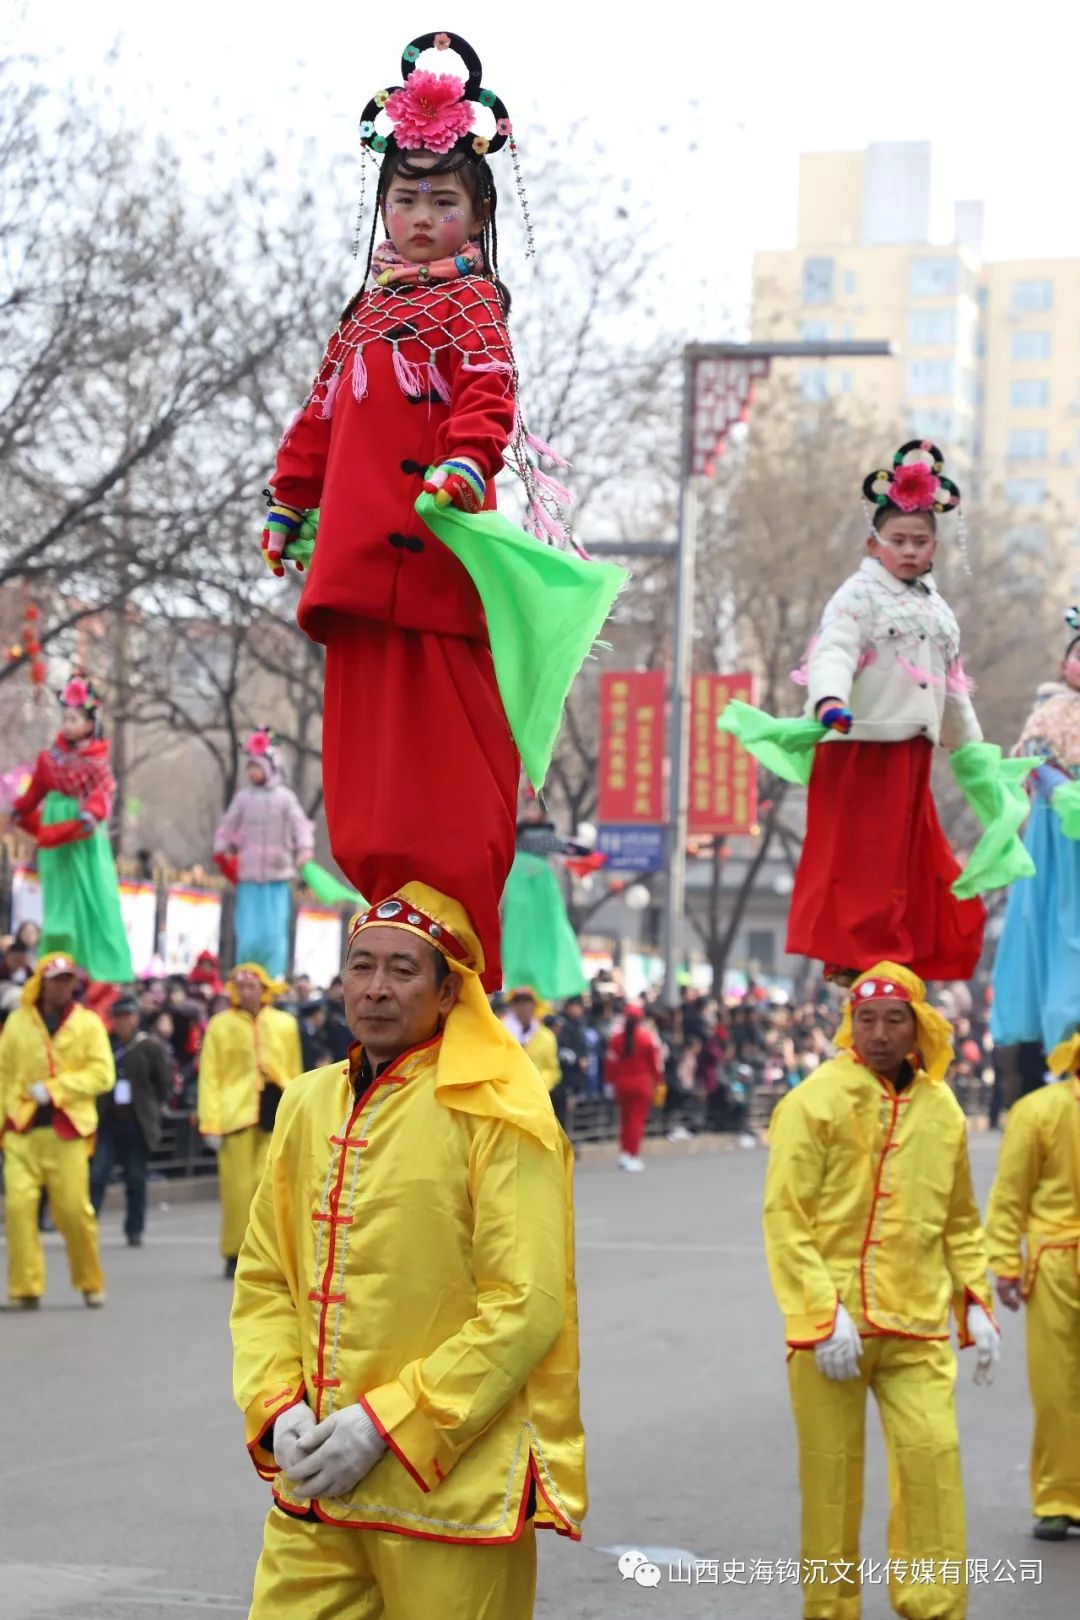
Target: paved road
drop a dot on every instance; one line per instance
(127, 1495)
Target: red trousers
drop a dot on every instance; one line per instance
(634, 1109)
(420, 772)
(874, 878)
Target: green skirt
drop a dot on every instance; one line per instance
(80, 897)
(538, 944)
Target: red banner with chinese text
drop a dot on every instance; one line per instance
(632, 731)
(723, 777)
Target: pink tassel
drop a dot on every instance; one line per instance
(288, 433)
(326, 409)
(545, 450)
(359, 375)
(408, 375)
(438, 382)
(801, 674)
(543, 526)
(552, 487)
(923, 676)
(958, 681)
(486, 365)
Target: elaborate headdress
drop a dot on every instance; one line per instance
(442, 107)
(1072, 620)
(261, 749)
(253, 973)
(79, 693)
(914, 483)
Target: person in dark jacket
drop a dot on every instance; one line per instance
(129, 1116)
(313, 1035)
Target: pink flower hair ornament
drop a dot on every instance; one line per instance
(914, 483)
(435, 111)
(429, 114)
(79, 693)
(260, 744)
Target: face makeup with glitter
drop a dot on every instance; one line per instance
(428, 220)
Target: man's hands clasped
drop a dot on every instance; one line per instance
(330, 1458)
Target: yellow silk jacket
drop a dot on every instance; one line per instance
(240, 1054)
(419, 1259)
(76, 1064)
(869, 1202)
(543, 1048)
(1036, 1194)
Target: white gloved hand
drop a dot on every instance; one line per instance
(213, 1143)
(987, 1344)
(838, 1356)
(39, 1091)
(337, 1454)
(288, 1427)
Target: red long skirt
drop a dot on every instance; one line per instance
(874, 878)
(420, 772)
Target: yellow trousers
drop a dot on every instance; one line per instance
(913, 1382)
(318, 1572)
(36, 1162)
(240, 1165)
(1053, 1358)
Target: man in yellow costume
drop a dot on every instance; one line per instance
(55, 1059)
(871, 1230)
(250, 1053)
(1036, 1199)
(405, 1321)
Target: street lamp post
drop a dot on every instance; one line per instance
(702, 436)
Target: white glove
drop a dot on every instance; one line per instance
(987, 1344)
(39, 1091)
(213, 1143)
(337, 1454)
(838, 1357)
(288, 1427)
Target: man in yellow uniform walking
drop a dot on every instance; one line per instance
(55, 1059)
(404, 1322)
(1036, 1200)
(871, 1231)
(250, 1053)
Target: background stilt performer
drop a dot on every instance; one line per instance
(66, 809)
(1037, 967)
(885, 683)
(539, 946)
(262, 841)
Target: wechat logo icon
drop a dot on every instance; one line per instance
(634, 1566)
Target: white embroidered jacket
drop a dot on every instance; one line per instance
(890, 652)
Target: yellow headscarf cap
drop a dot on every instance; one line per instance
(932, 1029)
(60, 962)
(254, 970)
(481, 1068)
(1065, 1058)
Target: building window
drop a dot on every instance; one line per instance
(1028, 444)
(1032, 295)
(1025, 491)
(1029, 393)
(1031, 345)
(940, 426)
(761, 948)
(814, 383)
(931, 327)
(1029, 537)
(815, 331)
(849, 281)
(930, 377)
(818, 279)
(933, 278)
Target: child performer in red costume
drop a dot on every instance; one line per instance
(417, 390)
(66, 810)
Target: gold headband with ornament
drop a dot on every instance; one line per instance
(400, 913)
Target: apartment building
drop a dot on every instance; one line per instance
(989, 353)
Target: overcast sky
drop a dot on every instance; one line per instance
(997, 99)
